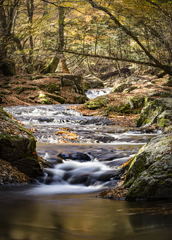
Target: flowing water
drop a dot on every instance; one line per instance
(93, 93)
(85, 161)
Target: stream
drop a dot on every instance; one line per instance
(85, 161)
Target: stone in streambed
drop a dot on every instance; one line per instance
(17, 146)
(149, 173)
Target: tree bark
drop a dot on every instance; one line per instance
(52, 66)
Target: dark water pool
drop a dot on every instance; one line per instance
(75, 217)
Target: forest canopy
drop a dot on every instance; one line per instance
(40, 36)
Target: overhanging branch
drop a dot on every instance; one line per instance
(111, 58)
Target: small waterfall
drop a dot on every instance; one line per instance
(93, 93)
(85, 152)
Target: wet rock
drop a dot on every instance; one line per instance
(109, 176)
(82, 157)
(77, 156)
(80, 178)
(17, 146)
(150, 170)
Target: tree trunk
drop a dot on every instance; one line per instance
(52, 66)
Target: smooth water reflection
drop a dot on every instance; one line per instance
(75, 217)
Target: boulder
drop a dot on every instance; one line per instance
(121, 87)
(150, 170)
(73, 81)
(17, 146)
(96, 103)
(156, 111)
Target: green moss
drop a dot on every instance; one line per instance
(9, 137)
(45, 101)
(6, 85)
(79, 98)
(163, 123)
(20, 89)
(36, 77)
(96, 103)
(41, 95)
(87, 85)
(52, 87)
(129, 183)
(56, 98)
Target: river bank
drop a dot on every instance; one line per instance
(119, 109)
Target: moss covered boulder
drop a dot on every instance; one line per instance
(17, 146)
(150, 170)
(156, 110)
(73, 81)
(121, 87)
(96, 103)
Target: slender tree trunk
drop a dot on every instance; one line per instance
(30, 10)
(64, 65)
(52, 66)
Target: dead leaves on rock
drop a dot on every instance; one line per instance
(114, 193)
(10, 174)
(65, 135)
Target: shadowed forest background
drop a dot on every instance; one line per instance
(83, 37)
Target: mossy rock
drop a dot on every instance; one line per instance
(96, 103)
(152, 109)
(130, 89)
(149, 173)
(18, 146)
(121, 87)
(41, 95)
(133, 105)
(56, 98)
(80, 99)
(87, 85)
(165, 119)
(36, 77)
(45, 101)
(6, 85)
(21, 89)
(53, 87)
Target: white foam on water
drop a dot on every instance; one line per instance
(62, 189)
(93, 93)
